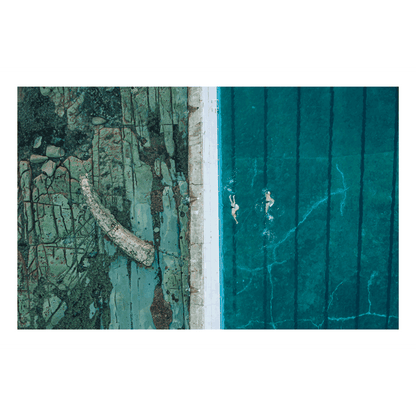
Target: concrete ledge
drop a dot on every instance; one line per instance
(203, 191)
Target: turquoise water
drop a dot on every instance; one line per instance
(325, 255)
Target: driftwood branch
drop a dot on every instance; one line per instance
(140, 250)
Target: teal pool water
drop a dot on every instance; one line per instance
(325, 255)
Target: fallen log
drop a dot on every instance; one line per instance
(139, 250)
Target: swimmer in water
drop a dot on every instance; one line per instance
(269, 201)
(234, 208)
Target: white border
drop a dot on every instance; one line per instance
(211, 230)
(404, 78)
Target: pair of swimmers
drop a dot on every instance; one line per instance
(235, 207)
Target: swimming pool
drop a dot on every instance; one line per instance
(308, 191)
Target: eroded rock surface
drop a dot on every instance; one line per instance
(132, 145)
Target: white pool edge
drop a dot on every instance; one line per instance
(204, 306)
(211, 276)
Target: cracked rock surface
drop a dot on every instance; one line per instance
(132, 145)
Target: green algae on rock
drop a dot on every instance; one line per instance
(132, 144)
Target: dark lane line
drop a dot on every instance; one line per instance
(295, 318)
(360, 219)
(233, 187)
(328, 209)
(266, 301)
(393, 203)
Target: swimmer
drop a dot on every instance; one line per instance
(269, 201)
(234, 208)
